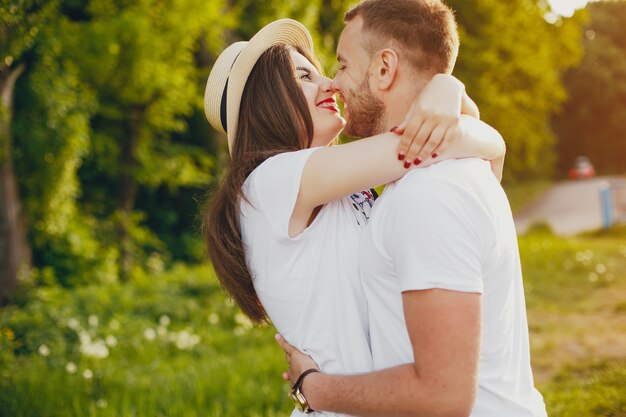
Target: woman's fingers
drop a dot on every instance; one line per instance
(421, 138)
(434, 141)
(451, 135)
(408, 129)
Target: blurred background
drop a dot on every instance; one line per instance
(109, 305)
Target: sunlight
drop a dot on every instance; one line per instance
(567, 8)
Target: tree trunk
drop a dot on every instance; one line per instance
(128, 192)
(15, 252)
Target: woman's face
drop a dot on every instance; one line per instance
(327, 121)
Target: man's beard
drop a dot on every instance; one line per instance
(365, 113)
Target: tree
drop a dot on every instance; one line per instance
(139, 58)
(511, 60)
(20, 23)
(591, 122)
(51, 130)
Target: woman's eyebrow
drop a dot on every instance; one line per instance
(307, 70)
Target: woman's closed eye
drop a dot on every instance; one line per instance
(304, 74)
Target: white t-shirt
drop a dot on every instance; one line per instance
(450, 226)
(309, 285)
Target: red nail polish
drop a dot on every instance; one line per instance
(434, 155)
(417, 161)
(393, 129)
(407, 164)
(401, 156)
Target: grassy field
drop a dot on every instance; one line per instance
(576, 299)
(175, 346)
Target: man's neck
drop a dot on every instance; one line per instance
(398, 101)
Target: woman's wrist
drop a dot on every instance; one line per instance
(469, 107)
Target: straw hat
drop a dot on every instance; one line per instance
(228, 77)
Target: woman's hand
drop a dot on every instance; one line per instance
(436, 111)
(297, 361)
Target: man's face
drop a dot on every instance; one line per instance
(364, 112)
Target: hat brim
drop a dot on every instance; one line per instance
(283, 31)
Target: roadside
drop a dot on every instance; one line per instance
(568, 207)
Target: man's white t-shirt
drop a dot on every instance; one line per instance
(309, 285)
(449, 226)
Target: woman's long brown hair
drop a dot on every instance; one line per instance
(273, 118)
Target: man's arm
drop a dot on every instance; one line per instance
(444, 328)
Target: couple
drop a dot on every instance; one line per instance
(419, 313)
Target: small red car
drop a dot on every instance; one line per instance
(582, 169)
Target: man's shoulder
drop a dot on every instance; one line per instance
(453, 167)
(455, 172)
(435, 187)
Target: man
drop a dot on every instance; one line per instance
(439, 261)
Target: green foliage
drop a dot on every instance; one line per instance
(522, 193)
(592, 120)
(102, 110)
(51, 130)
(141, 60)
(20, 24)
(511, 61)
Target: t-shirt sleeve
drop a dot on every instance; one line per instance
(275, 185)
(434, 240)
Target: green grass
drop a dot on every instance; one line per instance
(176, 346)
(576, 293)
(588, 389)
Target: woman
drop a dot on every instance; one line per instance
(281, 233)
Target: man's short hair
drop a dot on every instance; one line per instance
(424, 31)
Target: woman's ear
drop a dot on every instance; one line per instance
(387, 68)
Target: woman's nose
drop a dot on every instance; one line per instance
(334, 84)
(326, 84)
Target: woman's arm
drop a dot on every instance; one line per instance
(334, 172)
(472, 138)
(469, 107)
(461, 130)
(497, 166)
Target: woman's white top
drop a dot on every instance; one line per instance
(309, 285)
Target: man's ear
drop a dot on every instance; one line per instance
(387, 68)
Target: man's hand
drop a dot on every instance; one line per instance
(432, 114)
(297, 361)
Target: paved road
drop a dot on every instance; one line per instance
(569, 207)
